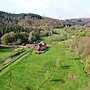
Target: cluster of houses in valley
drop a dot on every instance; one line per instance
(39, 46)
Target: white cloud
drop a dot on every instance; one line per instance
(38, 5)
(29, 5)
(52, 8)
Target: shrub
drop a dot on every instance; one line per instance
(14, 38)
(81, 46)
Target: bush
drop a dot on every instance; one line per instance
(14, 38)
(87, 65)
(81, 46)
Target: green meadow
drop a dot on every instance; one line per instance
(4, 54)
(55, 69)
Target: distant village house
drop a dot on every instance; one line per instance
(40, 46)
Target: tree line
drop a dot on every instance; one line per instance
(6, 28)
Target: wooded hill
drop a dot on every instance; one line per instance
(30, 20)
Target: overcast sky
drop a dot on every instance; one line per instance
(59, 9)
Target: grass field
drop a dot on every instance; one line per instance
(5, 53)
(51, 70)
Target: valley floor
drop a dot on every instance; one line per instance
(56, 69)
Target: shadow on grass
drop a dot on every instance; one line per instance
(42, 52)
(58, 80)
(5, 49)
(29, 88)
(76, 58)
(66, 67)
(47, 48)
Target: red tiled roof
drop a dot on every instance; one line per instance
(30, 45)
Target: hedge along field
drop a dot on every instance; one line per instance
(56, 69)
